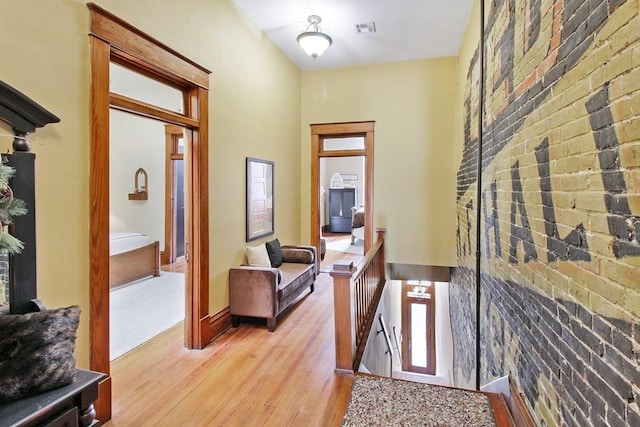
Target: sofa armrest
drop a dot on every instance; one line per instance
(289, 255)
(253, 291)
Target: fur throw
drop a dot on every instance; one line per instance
(37, 351)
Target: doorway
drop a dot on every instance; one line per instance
(341, 140)
(174, 222)
(113, 41)
(418, 327)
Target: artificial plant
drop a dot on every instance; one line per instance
(9, 207)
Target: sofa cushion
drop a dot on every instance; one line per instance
(257, 256)
(275, 252)
(294, 275)
(297, 255)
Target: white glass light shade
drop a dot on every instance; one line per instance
(314, 43)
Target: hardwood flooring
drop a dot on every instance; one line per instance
(247, 377)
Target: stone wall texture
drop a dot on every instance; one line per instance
(560, 210)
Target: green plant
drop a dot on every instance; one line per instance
(9, 207)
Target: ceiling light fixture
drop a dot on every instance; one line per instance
(313, 40)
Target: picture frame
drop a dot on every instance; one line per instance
(260, 218)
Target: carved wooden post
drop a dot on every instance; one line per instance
(22, 279)
(343, 314)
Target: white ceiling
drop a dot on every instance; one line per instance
(406, 29)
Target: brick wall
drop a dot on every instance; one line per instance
(560, 229)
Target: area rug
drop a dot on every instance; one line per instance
(143, 309)
(344, 245)
(386, 402)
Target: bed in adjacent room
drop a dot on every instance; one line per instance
(357, 224)
(132, 256)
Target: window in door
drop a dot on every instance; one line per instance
(418, 318)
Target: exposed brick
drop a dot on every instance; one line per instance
(614, 4)
(633, 418)
(568, 330)
(614, 419)
(585, 316)
(623, 343)
(585, 335)
(611, 397)
(619, 384)
(573, 388)
(602, 328)
(628, 369)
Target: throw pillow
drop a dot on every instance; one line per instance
(257, 256)
(36, 351)
(275, 252)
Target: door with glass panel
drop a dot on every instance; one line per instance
(418, 329)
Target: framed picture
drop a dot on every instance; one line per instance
(260, 217)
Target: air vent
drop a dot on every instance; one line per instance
(369, 27)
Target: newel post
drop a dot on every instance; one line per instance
(344, 317)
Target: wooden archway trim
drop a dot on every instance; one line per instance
(148, 52)
(113, 40)
(332, 130)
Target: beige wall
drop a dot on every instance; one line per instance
(254, 111)
(136, 142)
(412, 104)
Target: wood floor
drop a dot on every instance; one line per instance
(247, 377)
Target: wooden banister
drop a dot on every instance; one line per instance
(356, 293)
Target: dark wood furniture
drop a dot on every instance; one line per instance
(23, 115)
(135, 264)
(71, 405)
(341, 200)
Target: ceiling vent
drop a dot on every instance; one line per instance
(369, 27)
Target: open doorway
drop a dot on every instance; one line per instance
(144, 300)
(174, 219)
(342, 185)
(114, 41)
(342, 191)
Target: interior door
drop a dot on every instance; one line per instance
(418, 318)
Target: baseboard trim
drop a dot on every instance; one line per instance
(219, 323)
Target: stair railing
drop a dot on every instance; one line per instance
(356, 293)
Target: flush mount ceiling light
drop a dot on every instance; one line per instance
(313, 40)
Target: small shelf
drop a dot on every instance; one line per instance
(139, 196)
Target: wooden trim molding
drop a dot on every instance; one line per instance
(145, 49)
(123, 103)
(518, 408)
(172, 135)
(113, 40)
(219, 323)
(347, 129)
(99, 222)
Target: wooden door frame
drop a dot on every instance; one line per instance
(114, 40)
(406, 301)
(332, 130)
(172, 134)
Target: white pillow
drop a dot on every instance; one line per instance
(258, 256)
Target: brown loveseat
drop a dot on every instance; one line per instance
(267, 291)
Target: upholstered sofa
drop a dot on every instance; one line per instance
(266, 291)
